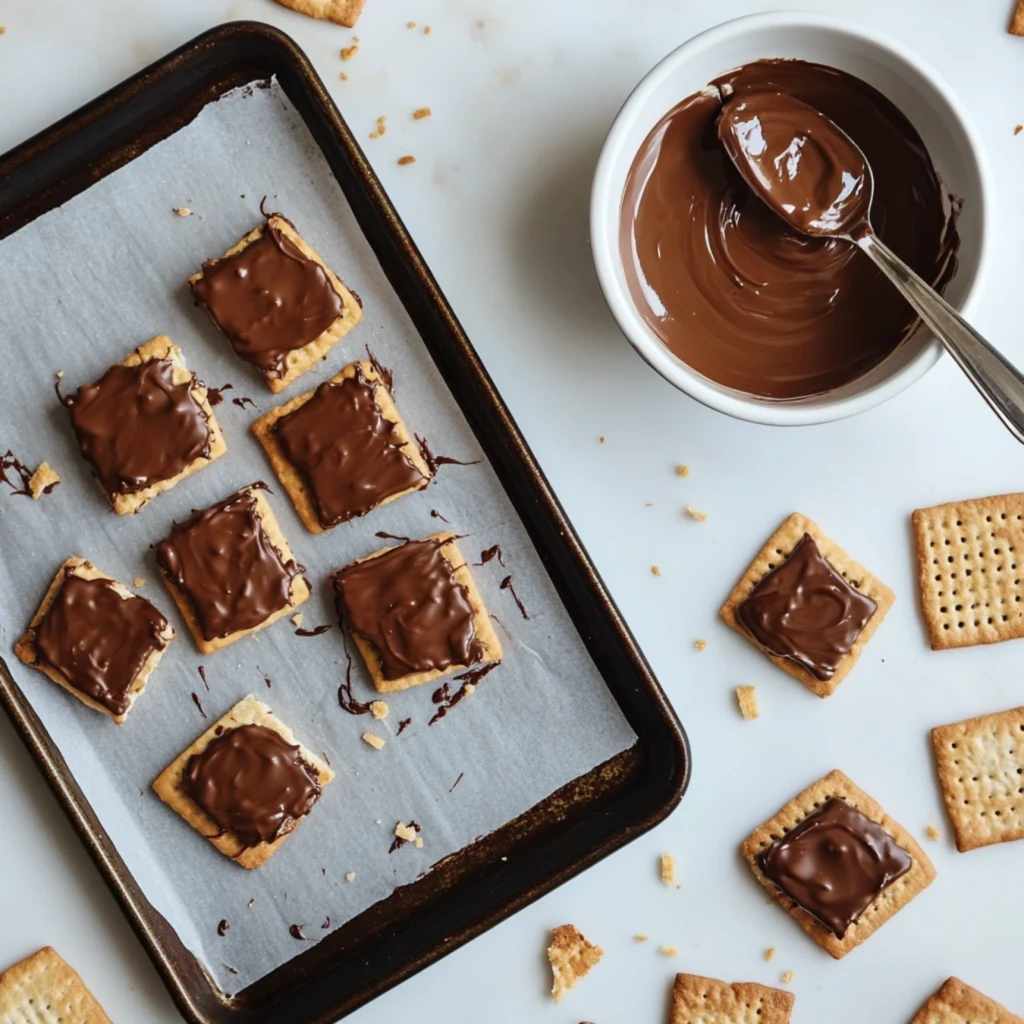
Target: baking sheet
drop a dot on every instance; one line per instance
(82, 286)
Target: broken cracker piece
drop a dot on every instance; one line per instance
(44, 479)
(639, 938)
(297, 620)
(379, 709)
(787, 977)
(668, 869)
(405, 832)
(700, 645)
(1017, 22)
(669, 951)
(350, 877)
(341, 12)
(682, 470)
(404, 161)
(572, 957)
(747, 699)
(376, 742)
(769, 953)
(655, 571)
(182, 211)
(421, 112)
(696, 514)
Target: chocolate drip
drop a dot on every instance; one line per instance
(269, 299)
(506, 584)
(242, 401)
(295, 931)
(198, 703)
(318, 631)
(216, 395)
(252, 783)
(408, 604)
(385, 373)
(202, 675)
(8, 461)
(222, 928)
(834, 864)
(492, 552)
(403, 725)
(346, 701)
(348, 454)
(223, 561)
(434, 514)
(805, 611)
(456, 782)
(98, 641)
(136, 427)
(435, 461)
(447, 700)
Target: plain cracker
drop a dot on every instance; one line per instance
(971, 591)
(778, 548)
(293, 481)
(44, 989)
(697, 1000)
(980, 764)
(957, 1003)
(248, 711)
(891, 900)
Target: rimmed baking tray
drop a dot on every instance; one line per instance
(491, 878)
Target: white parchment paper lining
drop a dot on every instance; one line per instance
(82, 286)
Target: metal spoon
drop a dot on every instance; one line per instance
(815, 177)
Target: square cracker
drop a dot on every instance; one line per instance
(25, 648)
(298, 594)
(779, 547)
(299, 360)
(162, 347)
(481, 623)
(43, 989)
(697, 1000)
(957, 1003)
(248, 711)
(980, 764)
(891, 900)
(971, 590)
(342, 12)
(293, 481)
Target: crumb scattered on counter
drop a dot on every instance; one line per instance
(349, 51)
(379, 709)
(769, 953)
(421, 112)
(406, 833)
(297, 619)
(600, 439)
(668, 869)
(669, 951)
(1018, 129)
(1017, 24)
(376, 742)
(410, 24)
(404, 161)
(700, 645)
(139, 582)
(787, 977)
(343, 76)
(682, 470)
(655, 571)
(2, 30)
(183, 211)
(426, 30)
(42, 481)
(932, 832)
(694, 513)
(639, 938)
(746, 697)
(648, 504)
(350, 877)
(572, 958)
(382, 127)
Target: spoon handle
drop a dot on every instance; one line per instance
(1000, 383)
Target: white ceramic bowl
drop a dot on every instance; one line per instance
(915, 88)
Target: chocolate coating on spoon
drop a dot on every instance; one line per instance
(805, 611)
(835, 864)
(253, 783)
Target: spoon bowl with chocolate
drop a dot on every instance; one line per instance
(816, 179)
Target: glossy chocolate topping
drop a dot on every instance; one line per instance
(97, 640)
(346, 451)
(745, 299)
(224, 563)
(269, 299)
(252, 782)
(834, 864)
(409, 606)
(800, 163)
(805, 611)
(137, 427)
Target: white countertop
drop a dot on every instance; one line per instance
(497, 200)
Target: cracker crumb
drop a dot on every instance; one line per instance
(668, 869)
(694, 513)
(469, 689)
(648, 504)
(787, 977)
(410, 24)
(139, 581)
(682, 470)
(406, 833)
(343, 76)
(700, 645)
(43, 480)
(350, 877)
(418, 843)
(2, 30)
(382, 127)
(426, 30)
(600, 439)
(639, 938)
(572, 958)
(297, 619)
(655, 571)
(1018, 129)
(404, 161)
(1017, 24)
(349, 51)
(379, 709)
(932, 832)
(669, 951)
(421, 112)
(377, 742)
(183, 211)
(769, 953)
(746, 696)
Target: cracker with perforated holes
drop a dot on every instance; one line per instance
(957, 1003)
(980, 764)
(890, 901)
(971, 590)
(779, 547)
(43, 989)
(697, 1000)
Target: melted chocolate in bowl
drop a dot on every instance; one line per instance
(740, 296)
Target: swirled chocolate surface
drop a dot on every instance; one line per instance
(136, 426)
(744, 298)
(346, 451)
(252, 782)
(269, 299)
(408, 604)
(806, 611)
(225, 565)
(834, 864)
(97, 640)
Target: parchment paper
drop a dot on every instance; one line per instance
(80, 288)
